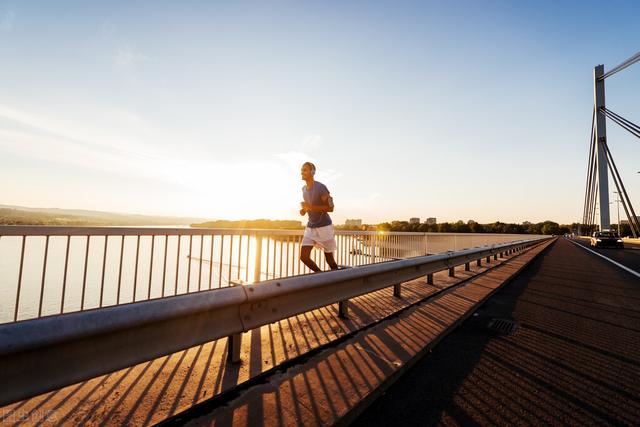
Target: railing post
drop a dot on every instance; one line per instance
(373, 249)
(257, 269)
(452, 272)
(397, 290)
(467, 266)
(479, 262)
(495, 257)
(489, 259)
(430, 279)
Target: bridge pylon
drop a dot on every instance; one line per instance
(601, 141)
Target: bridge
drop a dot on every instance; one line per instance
(119, 325)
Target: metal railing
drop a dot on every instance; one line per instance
(44, 354)
(48, 271)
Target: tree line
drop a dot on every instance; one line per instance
(545, 227)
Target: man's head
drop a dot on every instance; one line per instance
(308, 170)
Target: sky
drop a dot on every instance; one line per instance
(457, 110)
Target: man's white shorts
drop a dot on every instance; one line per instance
(320, 237)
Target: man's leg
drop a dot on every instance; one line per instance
(330, 260)
(305, 257)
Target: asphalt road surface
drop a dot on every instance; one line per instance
(629, 256)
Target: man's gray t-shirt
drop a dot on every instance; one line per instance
(313, 196)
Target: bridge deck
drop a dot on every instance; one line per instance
(150, 392)
(575, 359)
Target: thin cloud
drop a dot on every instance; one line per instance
(312, 142)
(125, 56)
(328, 175)
(6, 20)
(43, 126)
(127, 61)
(109, 29)
(207, 180)
(295, 159)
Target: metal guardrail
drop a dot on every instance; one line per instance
(47, 271)
(46, 354)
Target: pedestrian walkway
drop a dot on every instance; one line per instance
(152, 391)
(575, 359)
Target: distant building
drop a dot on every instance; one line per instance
(626, 221)
(431, 221)
(353, 223)
(414, 220)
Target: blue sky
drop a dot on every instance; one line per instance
(458, 110)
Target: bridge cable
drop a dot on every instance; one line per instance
(592, 220)
(616, 174)
(630, 127)
(628, 122)
(635, 58)
(624, 202)
(593, 200)
(631, 214)
(593, 195)
(589, 173)
(594, 186)
(624, 126)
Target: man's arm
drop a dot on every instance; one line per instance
(326, 207)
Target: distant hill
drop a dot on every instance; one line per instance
(20, 215)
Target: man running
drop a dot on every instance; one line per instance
(319, 232)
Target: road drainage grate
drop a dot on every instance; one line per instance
(504, 326)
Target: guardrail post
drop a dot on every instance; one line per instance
(258, 263)
(495, 257)
(397, 290)
(467, 266)
(430, 279)
(452, 272)
(234, 342)
(479, 262)
(343, 309)
(489, 259)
